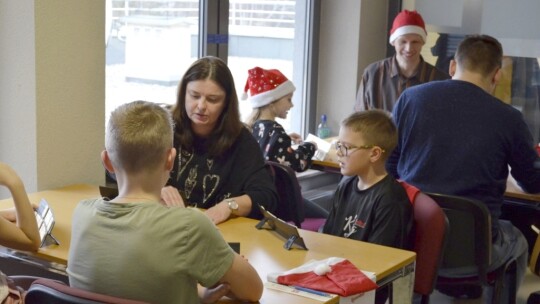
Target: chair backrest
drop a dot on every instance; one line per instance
(468, 246)
(430, 231)
(290, 207)
(49, 291)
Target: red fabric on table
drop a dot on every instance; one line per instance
(344, 279)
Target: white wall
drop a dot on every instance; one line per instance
(52, 91)
(18, 89)
(343, 56)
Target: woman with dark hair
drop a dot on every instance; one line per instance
(219, 166)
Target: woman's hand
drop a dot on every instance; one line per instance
(171, 197)
(219, 213)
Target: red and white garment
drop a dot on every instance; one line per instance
(333, 275)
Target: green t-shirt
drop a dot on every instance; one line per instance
(145, 251)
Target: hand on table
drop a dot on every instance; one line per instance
(213, 294)
(219, 213)
(171, 197)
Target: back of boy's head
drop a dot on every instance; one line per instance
(138, 135)
(376, 127)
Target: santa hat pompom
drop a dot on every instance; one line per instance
(322, 269)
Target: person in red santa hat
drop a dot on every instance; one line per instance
(383, 81)
(270, 95)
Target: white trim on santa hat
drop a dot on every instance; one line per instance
(268, 97)
(408, 29)
(309, 266)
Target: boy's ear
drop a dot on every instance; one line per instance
(376, 154)
(171, 154)
(106, 161)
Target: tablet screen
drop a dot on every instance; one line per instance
(45, 219)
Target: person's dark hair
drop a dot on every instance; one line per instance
(479, 53)
(229, 124)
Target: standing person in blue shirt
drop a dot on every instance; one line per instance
(456, 138)
(383, 81)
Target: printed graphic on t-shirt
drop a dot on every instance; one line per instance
(352, 225)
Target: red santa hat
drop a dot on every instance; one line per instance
(266, 86)
(408, 22)
(333, 275)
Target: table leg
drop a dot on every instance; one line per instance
(403, 288)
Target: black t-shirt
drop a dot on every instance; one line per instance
(381, 214)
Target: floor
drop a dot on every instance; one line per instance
(531, 283)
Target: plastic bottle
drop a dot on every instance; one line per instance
(323, 131)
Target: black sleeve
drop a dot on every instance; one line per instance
(281, 151)
(258, 183)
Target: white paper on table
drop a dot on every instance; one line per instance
(323, 146)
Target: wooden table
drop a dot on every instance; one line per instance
(62, 202)
(330, 162)
(514, 191)
(522, 209)
(326, 166)
(263, 248)
(265, 251)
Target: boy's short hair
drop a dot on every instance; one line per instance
(376, 126)
(138, 136)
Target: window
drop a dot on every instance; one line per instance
(261, 33)
(150, 44)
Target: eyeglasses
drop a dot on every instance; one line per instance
(344, 150)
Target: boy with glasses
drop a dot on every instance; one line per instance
(369, 205)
